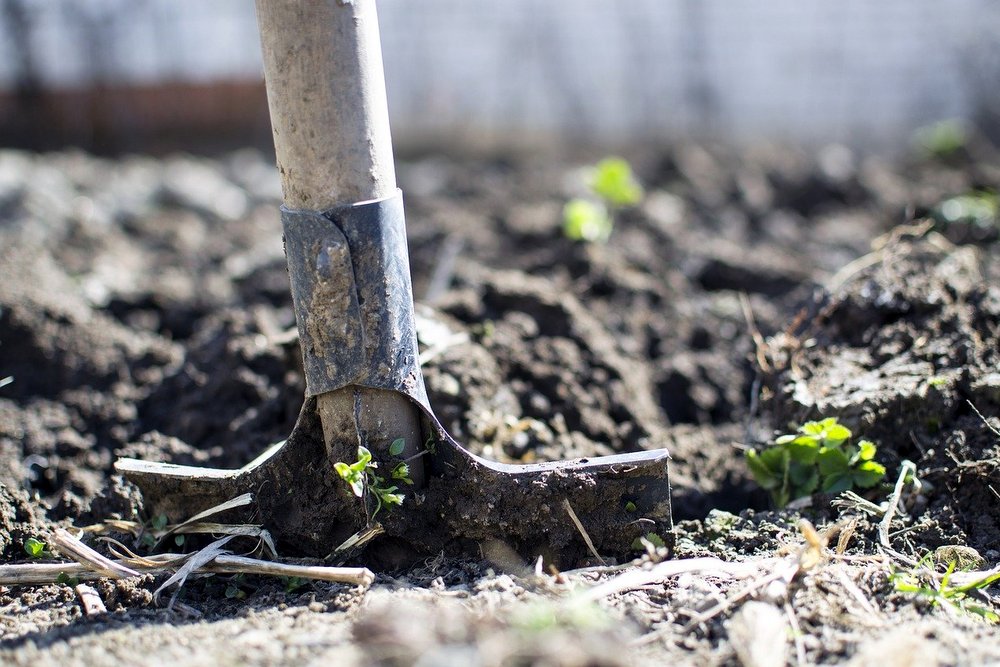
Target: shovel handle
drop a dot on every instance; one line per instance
(326, 95)
(330, 120)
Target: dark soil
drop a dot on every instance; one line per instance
(144, 312)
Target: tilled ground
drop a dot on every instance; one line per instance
(144, 312)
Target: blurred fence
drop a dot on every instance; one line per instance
(146, 72)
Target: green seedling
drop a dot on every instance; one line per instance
(921, 582)
(612, 186)
(648, 541)
(360, 476)
(35, 548)
(156, 526)
(66, 580)
(943, 139)
(818, 456)
(293, 584)
(584, 220)
(976, 208)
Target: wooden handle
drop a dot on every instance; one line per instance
(326, 94)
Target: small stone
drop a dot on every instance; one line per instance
(964, 557)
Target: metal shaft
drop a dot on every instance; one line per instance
(329, 116)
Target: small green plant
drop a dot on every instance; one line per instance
(35, 548)
(942, 139)
(66, 580)
(237, 587)
(818, 456)
(976, 208)
(613, 187)
(293, 584)
(647, 541)
(921, 581)
(360, 476)
(155, 526)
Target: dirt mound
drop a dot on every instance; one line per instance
(905, 351)
(144, 311)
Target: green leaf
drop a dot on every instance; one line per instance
(868, 474)
(614, 182)
(652, 538)
(34, 547)
(765, 476)
(799, 473)
(390, 499)
(159, 522)
(66, 580)
(803, 450)
(629, 506)
(835, 434)
(837, 482)
(364, 460)
(402, 473)
(235, 592)
(804, 478)
(585, 220)
(179, 540)
(397, 446)
(812, 428)
(866, 450)
(833, 461)
(354, 478)
(293, 583)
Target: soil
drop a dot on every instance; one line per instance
(144, 312)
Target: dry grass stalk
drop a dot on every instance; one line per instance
(91, 602)
(228, 564)
(34, 574)
(583, 531)
(908, 467)
(81, 553)
(196, 560)
(634, 579)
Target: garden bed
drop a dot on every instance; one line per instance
(144, 312)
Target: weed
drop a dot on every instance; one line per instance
(920, 581)
(977, 208)
(236, 587)
(943, 139)
(817, 456)
(155, 526)
(360, 476)
(649, 541)
(66, 579)
(613, 185)
(35, 548)
(293, 584)
(584, 220)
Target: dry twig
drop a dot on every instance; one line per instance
(81, 553)
(90, 601)
(908, 467)
(583, 531)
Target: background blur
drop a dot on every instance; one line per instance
(154, 75)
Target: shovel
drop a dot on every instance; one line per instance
(368, 467)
